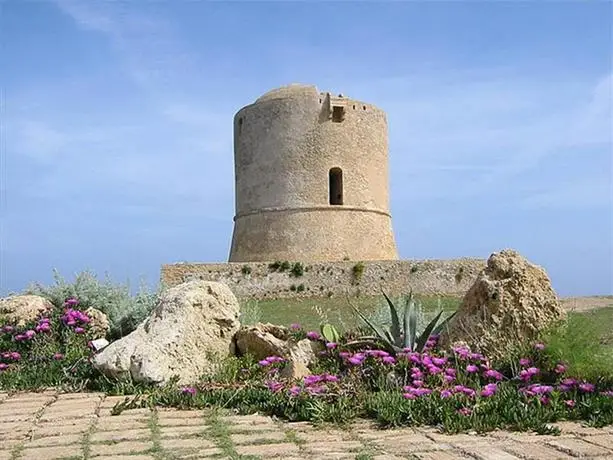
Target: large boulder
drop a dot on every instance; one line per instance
(188, 333)
(22, 309)
(511, 302)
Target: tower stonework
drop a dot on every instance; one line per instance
(311, 172)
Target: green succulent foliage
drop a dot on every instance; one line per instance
(403, 335)
(330, 333)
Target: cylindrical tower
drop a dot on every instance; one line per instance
(311, 172)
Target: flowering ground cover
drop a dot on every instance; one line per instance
(567, 376)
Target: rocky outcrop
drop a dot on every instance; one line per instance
(511, 302)
(186, 335)
(264, 339)
(21, 309)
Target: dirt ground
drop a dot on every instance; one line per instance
(587, 303)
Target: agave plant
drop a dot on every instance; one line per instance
(397, 338)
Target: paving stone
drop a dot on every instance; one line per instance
(121, 423)
(66, 427)
(62, 440)
(259, 438)
(248, 420)
(183, 414)
(126, 457)
(16, 433)
(71, 396)
(578, 447)
(535, 451)
(437, 455)
(604, 440)
(577, 428)
(122, 435)
(338, 447)
(6, 410)
(322, 436)
(5, 454)
(187, 446)
(178, 431)
(193, 421)
(54, 415)
(16, 418)
(486, 451)
(49, 453)
(127, 447)
(268, 450)
(404, 444)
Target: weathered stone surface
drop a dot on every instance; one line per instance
(189, 331)
(510, 302)
(99, 325)
(22, 309)
(263, 340)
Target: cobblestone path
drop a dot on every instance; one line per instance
(49, 425)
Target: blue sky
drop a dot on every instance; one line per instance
(117, 126)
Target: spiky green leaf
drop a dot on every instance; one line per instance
(423, 338)
(395, 327)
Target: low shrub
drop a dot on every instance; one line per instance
(458, 390)
(124, 310)
(53, 351)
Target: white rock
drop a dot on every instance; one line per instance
(187, 334)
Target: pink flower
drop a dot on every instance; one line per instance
(29, 334)
(463, 352)
(560, 369)
(539, 346)
(71, 302)
(79, 330)
(525, 362)
(389, 360)
(295, 390)
(274, 386)
(544, 400)
(355, 361)
(492, 374)
(58, 356)
(489, 390)
(607, 393)
(586, 387)
(312, 335)
(471, 369)
(440, 362)
(409, 396)
(331, 345)
(569, 403)
(418, 383)
(295, 326)
(264, 362)
(448, 378)
(188, 390)
(465, 411)
(445, 394)
(434, 370)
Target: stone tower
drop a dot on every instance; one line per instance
(311, 172)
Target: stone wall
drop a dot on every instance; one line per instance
(321, 279)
